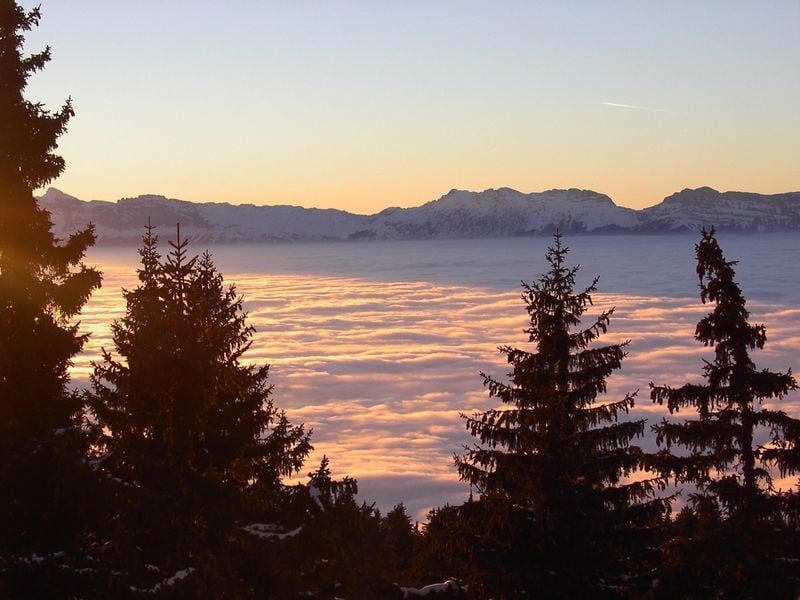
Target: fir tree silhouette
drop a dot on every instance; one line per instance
(741, 538)
(551, 465)
(45, 488)
(189, 433)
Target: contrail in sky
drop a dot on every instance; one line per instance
(635, 107)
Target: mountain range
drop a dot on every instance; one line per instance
(458, 214)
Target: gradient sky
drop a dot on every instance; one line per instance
(364, 105)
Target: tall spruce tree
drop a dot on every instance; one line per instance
(43, 285)
(741, 538)
(551, 465)
(188, 432)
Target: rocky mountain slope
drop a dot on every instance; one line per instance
(458, 214)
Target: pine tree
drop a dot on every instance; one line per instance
(551, 466)
(730, 451)
(44, 486)
(342, 541)
(185, 427)
(400, 540)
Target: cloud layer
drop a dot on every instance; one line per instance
(381, 370)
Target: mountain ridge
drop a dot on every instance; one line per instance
(501, 212)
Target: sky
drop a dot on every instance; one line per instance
(364, 105)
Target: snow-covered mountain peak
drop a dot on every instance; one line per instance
(576, 196)
(689, 195)
(56, 196)
(507, 197)
(452, 199)
(149, 200)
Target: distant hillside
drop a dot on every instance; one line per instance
(492, 213)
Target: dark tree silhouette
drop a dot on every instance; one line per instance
(44, 486)
(400, 540)
(552, 464)
(185, 427)
(739, 522)
(341, 540)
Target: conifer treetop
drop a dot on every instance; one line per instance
(553, 461)
(725, 461)
(29, 136)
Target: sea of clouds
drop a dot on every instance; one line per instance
(378, 346)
